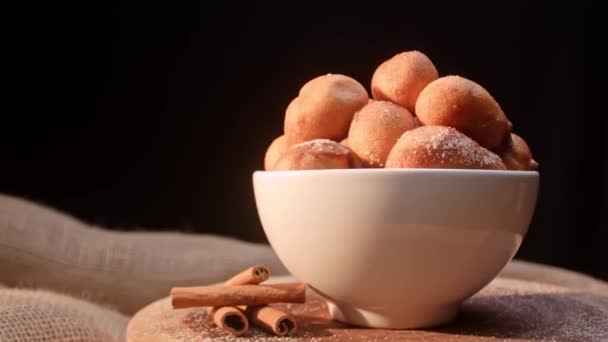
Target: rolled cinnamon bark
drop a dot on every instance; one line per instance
(230, 319)
(253, 275)
(272, 319)
(184, 297)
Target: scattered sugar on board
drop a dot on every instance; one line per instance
(200, 329)
(584, 321)
(552, 313)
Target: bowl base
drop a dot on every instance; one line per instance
(405, 318)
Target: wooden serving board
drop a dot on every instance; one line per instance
(509, 309)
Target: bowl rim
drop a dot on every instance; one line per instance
(398, 171)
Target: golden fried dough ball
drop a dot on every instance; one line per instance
(324, 108)
(465, 105)
(516, 154)
(402, 78)
(274, 152)
(418, 123)
(440, 147)
(375, 130)
(317, 154)
(344, 142)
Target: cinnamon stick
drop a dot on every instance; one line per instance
(253, 275)
(230, 319)
(272, 319)
(184, 297)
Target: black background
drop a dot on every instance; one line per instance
(155, 115)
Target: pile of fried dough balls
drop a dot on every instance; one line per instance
(416, 119)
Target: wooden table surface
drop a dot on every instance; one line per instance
(526, 302)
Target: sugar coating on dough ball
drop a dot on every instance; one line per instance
(317, 154)
(516, 154)
(324, 109)
(465, 105)
(440, 147)
(375, 130)
(274, 152)
(402, 78)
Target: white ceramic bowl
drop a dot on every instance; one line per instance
(395, 248)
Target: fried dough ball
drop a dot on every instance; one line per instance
(344, 142)
(465, 105)
(402, 78)
(516, 154)
(440, 147)
(375, 130)
(317, 154)
(274, 152)
(324, 109)
(418, 123)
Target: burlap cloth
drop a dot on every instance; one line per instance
(64, 280)
(98, 278)
(38, 315)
